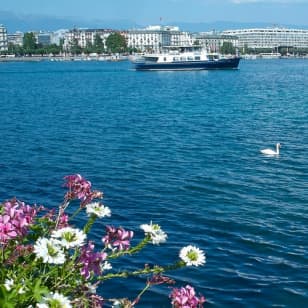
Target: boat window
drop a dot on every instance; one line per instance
(197, 58)
(165, 59)
(175, 58)
(190, 58)
(183, 58)
(152, 59)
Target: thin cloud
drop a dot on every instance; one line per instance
(269, 1)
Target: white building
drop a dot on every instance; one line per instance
(270, 37)
(3, 39)
(153, 38)
(15, 38)
(57, 36)
(43, 38)
(213, 41)
(83, 37)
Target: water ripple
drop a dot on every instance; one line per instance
(181, 149)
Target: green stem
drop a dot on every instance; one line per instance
(154, 270)
(62, 279)
(76, 213)
(132, 250)
(2, 254)
(147, 286)
(46, 276)
(62, 208)
(89, 224)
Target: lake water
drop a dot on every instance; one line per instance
(180, 149)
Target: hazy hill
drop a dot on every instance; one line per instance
(21, 22)
(229, 25)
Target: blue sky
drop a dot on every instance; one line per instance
(278, 12)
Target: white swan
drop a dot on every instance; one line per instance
(270, 151)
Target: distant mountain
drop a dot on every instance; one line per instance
(228, 25)
(22, 22)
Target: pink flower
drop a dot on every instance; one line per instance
(7, 230)
(117, 238)
(96, 301)
(160, 279)
(80, 188)
(92, 195)
(90, 260)
(63, 221)
(16, 219)
(186, 298)
(19, 251)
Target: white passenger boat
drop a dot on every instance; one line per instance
(184, 58)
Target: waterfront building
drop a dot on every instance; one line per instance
(213, 41)
(15, 38)
(43, 38)
(84, 37)
(3, 39)
(270, 38)
(153, 38)
(57, 37)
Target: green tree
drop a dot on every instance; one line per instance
(75, 48)
(227, 48)
(89, 48)
(98, 44)
(29, 43)
(54, 49)
(15, 49)
(116, 43)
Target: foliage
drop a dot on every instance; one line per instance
(38, 50)
(98, 44)
(227, 48)
(75, 48)
(48, 262)
(29, 42)
(116, 43)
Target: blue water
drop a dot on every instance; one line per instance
(181, 149)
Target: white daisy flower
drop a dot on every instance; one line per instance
(70, 237)
(192, 255)
(98, 209)
(21, 290)
(54, 300)
(8, 284)
(117, 304)
(156, 234)
(106, 266)
(91, 288)
(49, 250)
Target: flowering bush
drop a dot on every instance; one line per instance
(48, 262)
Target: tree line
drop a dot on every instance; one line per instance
(115, 43)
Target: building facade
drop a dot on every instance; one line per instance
(270, 37)
(3, 39)
(43, 38)
(154, 38)
(84, 37)
(213, 41)
(57, 37)
(15, 38)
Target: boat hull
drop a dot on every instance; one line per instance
(229, 63)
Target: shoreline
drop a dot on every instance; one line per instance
(112, 58)
(63, 58)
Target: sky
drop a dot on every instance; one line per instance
(146, 12)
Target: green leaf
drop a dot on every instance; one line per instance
(39, 290)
